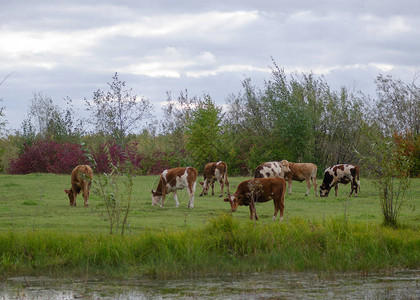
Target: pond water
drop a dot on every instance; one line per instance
(285, 285)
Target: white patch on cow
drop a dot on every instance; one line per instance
(164, 175)
(217, 174)
(272, 169)
(182, 181)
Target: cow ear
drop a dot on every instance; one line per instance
(153, 192)
(67, 191)
(226, 199)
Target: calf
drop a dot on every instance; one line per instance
(81, 180)
(175, 179)
(300, 172)
(272, 169)
(340, 174)
(259, 190)
(214, 171)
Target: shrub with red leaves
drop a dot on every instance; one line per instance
(53, 157)
(48, 157)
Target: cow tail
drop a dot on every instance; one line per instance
(225, 174)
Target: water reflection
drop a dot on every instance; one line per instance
(397, 285)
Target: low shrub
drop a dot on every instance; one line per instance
(48, 157)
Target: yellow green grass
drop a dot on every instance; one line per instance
(41, 234)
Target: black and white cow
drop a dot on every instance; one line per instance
(343, 173)
(272, 169)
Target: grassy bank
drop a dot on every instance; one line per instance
(224, 245)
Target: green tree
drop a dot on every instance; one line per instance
(390, 169)
(117, 113)
(203, 132)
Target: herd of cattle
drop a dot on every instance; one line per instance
(269, 183)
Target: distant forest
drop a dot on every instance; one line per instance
(296, 117)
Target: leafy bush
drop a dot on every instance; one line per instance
(48, 157)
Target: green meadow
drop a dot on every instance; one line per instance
(41, 234)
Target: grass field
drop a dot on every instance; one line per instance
(38, 202)
(41, 234)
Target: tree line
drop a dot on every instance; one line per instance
(297, 117)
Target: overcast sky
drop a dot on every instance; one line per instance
(73, 48)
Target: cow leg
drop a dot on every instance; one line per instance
(308, 186)
(86, 195)
(204, 188)
(163, 199)
(175, 195)
(221, 186)
(315, 186)
(289, 183)
(336, 190)
(276, 209)
(191, 191)
(212, 187)
(74, 191)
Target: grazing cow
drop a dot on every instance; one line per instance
(214, 171)
(272, 169)
(261, 190)
(340, 174)
(81, 180)
(301, 172)
(175, 179)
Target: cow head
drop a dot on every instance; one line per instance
(71, 196)
(286, 166)
(234, 201)
(156, 198)
(324, 190)
(206, 186)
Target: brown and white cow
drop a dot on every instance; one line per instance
(261, 190)
(272, 169)
(81, 181)
(300, 172)
(343, 173)
(175, 179)
(214, 171)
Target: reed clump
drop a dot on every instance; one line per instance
(224, 246)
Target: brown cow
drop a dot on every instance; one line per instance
(214, 171)
(81, 180)
(175, 179)
(272, 169)
(261, 190)
(300, 172)
(340, 174)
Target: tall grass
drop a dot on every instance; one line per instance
(223, 246)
